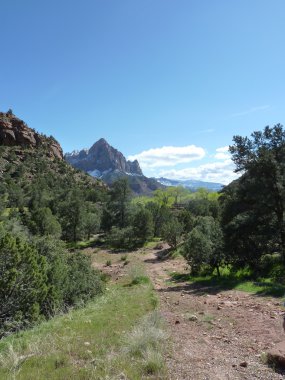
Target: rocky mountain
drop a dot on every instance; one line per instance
(107, 163)
(191, 184)
(15, 132)
(100, 158)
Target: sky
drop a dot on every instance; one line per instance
(167, 82)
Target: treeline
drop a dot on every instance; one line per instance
(241, 227)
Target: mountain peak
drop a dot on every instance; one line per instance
(102, 157)
(102, 141)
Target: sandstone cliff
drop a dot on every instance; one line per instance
(15, 132)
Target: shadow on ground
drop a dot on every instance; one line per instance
(215, 284)
(161, 255)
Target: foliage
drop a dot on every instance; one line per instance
(121, 238)
(172, 232)
(204, 245)
(67, 345)
(253, 206)
(142, 225)
(23, 284)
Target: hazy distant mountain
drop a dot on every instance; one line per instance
(107, 163)
(190, 184)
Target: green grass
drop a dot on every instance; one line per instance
(238, 281)
(88, 343)
(81, 244)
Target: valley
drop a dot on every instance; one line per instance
(206, 332)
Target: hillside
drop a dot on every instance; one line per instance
(26, 156)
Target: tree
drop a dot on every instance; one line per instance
(91, 223)
(43, 222)
(172, 232)
(23, 284)
(119, 201)
(160, 215)
(262, 160)
(204, 245)
(72, 212)
(142, 225)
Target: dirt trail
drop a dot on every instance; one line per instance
(216, 335)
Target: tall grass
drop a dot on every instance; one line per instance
(89, 343)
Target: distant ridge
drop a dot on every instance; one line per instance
(191, 184)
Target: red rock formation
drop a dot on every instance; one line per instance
(15, 132)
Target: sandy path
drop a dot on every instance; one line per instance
(215, 335)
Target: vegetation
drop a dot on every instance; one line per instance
(118, 334)
(48, 210)
(42, 202)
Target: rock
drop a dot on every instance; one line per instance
(102, 157)
(15, 132)
(276, 355)
(107, 163)
(193, 318)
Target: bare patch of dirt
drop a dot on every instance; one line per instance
(215, 334)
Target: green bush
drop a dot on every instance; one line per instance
(121, 238)
(84, 282)
(23, 284)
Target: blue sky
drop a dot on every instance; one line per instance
(165, 81)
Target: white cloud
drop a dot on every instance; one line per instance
(251, 110)
(223, 149)
(168, 156)
(222, 172)
(221, 156)
(222, 153)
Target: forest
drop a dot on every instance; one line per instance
(47, 207)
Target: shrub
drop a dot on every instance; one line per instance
(137, 275)
(84, 282)
(121, 238)
(108, 263)
(23, 284)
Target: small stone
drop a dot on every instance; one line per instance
(192, 318)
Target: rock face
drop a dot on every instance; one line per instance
(102, 157)
(107, 163)
(15, 132)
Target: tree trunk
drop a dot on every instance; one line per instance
(218, 270)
